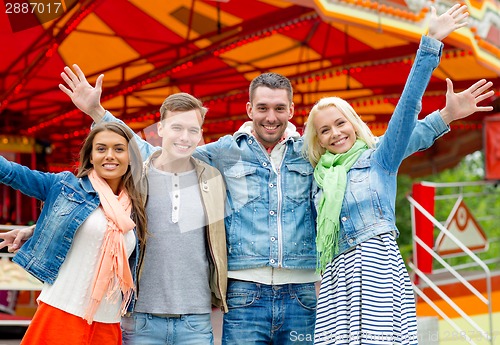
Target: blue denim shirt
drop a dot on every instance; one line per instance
(368, 208)
(271, 217)
(68, 201)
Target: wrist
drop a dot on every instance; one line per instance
(446, 115)
(98, 113)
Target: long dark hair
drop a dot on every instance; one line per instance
(131, 181)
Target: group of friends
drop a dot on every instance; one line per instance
(144, 241)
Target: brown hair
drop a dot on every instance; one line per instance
(181, 102)
(132, 178)
(272, 81)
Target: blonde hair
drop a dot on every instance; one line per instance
(312, 150)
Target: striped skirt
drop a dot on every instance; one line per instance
(366, 297)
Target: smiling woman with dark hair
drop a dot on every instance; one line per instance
(82, 242)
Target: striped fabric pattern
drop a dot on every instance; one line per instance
(366, 297)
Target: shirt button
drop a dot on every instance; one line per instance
(271, 213)
(351, 241)
(250, 141)
(271, 185)
(272, 261)
(344, 219)
(273, 239)
(264, 164)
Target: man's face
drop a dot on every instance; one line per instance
(180, 132)
(269, 111)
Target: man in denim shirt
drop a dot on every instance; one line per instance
(271, 226)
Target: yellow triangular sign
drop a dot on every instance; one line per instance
(465, 228)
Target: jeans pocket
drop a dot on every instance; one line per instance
(134, 323)
(240, 299)
(306, 298)
(198, 323)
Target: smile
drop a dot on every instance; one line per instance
(182, 147)
(339, 142)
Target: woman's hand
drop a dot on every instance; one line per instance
(14, 239)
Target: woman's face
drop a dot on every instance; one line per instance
(335, 133)
(110, 157)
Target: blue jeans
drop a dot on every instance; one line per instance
(148, 329)
(269, 314)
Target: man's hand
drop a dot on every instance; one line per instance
(462, 104)
(453, 19)
(14, 239)
(84, 96)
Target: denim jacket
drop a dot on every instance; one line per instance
(68, 201)
(271, 220)
(368, 208)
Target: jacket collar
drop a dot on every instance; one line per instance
(87, 185)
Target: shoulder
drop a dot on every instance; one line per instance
(207, 170)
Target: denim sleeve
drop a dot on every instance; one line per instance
(146, 148)
(426, 132)
(32, 183)
(209, 153)
(390, 153)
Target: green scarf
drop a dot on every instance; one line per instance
(331, 176)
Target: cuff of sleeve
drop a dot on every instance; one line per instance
(431, 45)
(437, 123)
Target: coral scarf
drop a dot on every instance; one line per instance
(331, 176)
(113, 271)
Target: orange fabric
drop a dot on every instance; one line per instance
(52, 326)
(113, 271)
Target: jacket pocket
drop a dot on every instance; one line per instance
(67, 200)
(298, 182)
(242, 181)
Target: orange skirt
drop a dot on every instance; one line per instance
(52, 326)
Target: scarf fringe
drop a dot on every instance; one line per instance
(327, 245)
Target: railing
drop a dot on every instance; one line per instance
(476, 262)
(31, 284)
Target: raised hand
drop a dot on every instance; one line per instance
(462, 104)
(85, 96)
(446, 23)
(14, 239)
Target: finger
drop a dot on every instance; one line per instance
(71, 75)
(10, 249)
(68, 81)
(65, 90)
(17, 241)
(79, 72)
(433, 11)
(484, 87)
(98, 82)
(453, 9)
(484, 96)
(449, 86)
(476, 85)
(462, 17)
(484, 108)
